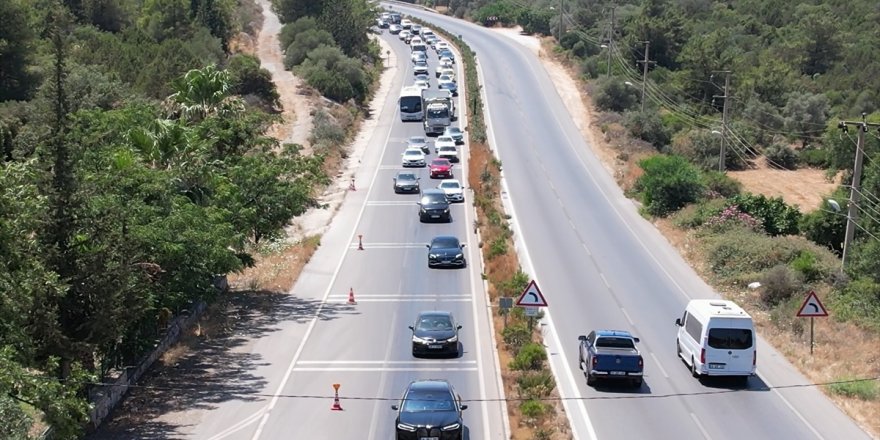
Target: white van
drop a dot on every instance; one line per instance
(716, 338)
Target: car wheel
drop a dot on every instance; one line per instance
(694, 371)
(591, 381)
(637, 383)
(677, 347)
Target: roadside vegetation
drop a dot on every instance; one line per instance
(532, 401)
(795, 70)
(136, 175)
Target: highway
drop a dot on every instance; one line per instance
(365, 347)
(601, 265)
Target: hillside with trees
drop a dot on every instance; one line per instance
(136, 173)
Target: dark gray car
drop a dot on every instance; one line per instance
(429, 409)
(406, 182)
(446, 251)
(435, 332)
(433, 206)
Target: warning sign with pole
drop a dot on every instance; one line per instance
(812, 308)
(530, 300)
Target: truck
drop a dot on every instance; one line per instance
(439, 110)
(610, 355)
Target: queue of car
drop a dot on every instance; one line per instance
(431, 409)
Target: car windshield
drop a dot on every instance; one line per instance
(450, 185)
(445, 78)
(412, 153)
(444, 139)
(447, 149)
(444, 242)
(434, 322)
(417, 140)
(730, 338)
(612, 342)
(440, 162)
(454, 130)
(406, 176)
(438, 112)
(422, 401)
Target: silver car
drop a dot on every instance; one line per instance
(419, 142)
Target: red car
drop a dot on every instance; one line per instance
(441, 169)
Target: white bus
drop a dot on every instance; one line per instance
(411, 106)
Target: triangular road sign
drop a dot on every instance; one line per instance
(532, 297)
(812, 307)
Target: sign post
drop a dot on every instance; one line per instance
(531, 299)
(812, 308)
(505, 303)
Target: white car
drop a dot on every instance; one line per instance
(443, 141)
(395, 29)
(403, 35)
(406, 23)
(413, 157)
(417, 56)
(445, 59)
(445, 63)
(453, 189)
(422, 84)
(448, 152)
(441, 45)
(445, 82)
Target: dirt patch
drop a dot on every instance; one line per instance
(805, 187)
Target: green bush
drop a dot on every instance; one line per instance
(824, 228)
(251, 79)
(648, 127)
(668, 184)
(14, 422)
(702, 147)
(326, 130)
(781, 156)
(695, 215)
(719, 184)
(530, 356)
(807, 265)
(859, 302)
(304, 43)
(741, 251)
(779, 284)
(864, 259)
(862, 389)
(290, 30)
(814, 157)
(497, 248)
(777, 218)
(515, 285)
(532, 409)
(535, 385)
(613, 95)
(516, 335)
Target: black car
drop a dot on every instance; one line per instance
(433, 206)
(406, 182)
(435, 333)
(429, 409)
(446, 251)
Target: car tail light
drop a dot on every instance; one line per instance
(595, 361)
(703, 356)
(641, 362)
(755, 358)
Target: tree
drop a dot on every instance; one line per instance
(348, 21)
(17, 79)
(648, 127)
(668, 184)
(614, 95)
(290, 30)
(303, 43)
(248, 78)
(663, 25)
(805, 115)
(202, 92)
(291, 10)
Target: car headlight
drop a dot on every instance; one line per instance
(419, 340)
(446, 211)
(453, 339)
(433, 256)
(408, 428)
(451, 427)
(457, 256)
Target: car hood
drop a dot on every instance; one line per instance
(405, 182)
(437, 419)
(440, 335)
(440, 167)
(452, 190)
(450, 252)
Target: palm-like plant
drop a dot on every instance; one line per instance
(202, 92)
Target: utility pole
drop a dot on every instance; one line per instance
(645, 64)
(722, 154)
(852, 211)
(561, 29)
(610, 39)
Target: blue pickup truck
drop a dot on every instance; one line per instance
(612, 355)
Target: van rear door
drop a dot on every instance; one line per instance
(730, 347)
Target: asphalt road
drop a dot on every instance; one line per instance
(366, 347)
(600, 265)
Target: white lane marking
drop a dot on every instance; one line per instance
(626, 315)
(412, 299)
(566, 403)
(659, 365)
(419, 361)
(393, 203)
(484, 404)
(379, 369)
(604, 280)
(589, 254)
(700, 426)
(796, 412)
(388, 245)
(320, 309)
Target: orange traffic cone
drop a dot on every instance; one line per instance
(351, 296)
(351, 185)
(360, 242)
(336, 406)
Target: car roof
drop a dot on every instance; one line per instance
(433, 191)
(430, 385)
(413, 150)
(440, 159)
(449, 181)
(435, 313)
(620, 333)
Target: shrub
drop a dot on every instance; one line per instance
(498, 247)
(807, 265)
(863, 389)
(648, 127)
(729, 218)
(532, 409)
(515, 285)
(824, 228)
(668, 184)
(250, 79)
(865, 260)
(14, 421)
(858, 301)
(590, 68)
(305, 42)
(516, 335)
(779, 284)
(781, 156)
(326, 130)
(740, 251)
(535, 385)
(777, 218)
(695, 215)
(814, 157)
(702, 147)
(719, 184)
(291, 30)
(614, 95)
(530, 356)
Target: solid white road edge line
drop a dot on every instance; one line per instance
(320, 309)
(382, 369)
(555, 369)
(700, 426)
(419, 362)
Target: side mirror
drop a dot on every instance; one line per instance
(395, 407)
(582, 338)
(635, 339)
(428, 246)
(411, 327)
(678, 322)
(463, 407)
(462, 245)
(419, 203)
(458, 327)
